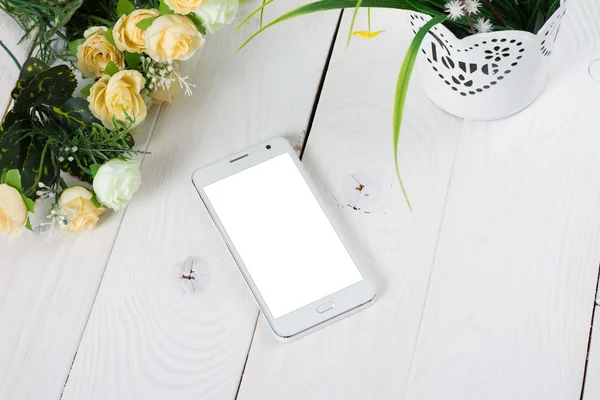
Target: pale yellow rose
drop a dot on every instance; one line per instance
(126, 33)
(83, 215)
(13, 212)
(110, 95)
(184, 6)
(172, 37)
(96, 52)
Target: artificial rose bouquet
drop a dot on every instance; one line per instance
(132, 57)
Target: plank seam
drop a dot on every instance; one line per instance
(437, 243)
(237, 392)
(109, 257)
(589, 344)
(313, 112)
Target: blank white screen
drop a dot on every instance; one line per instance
(278, 228)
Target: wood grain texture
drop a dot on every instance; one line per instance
(47, 288)
(513, 284)
(592, 381)
(367, 356)
(11, 35)
(151, 334)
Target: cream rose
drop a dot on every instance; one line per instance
(116, 182)
(83, 215)
(184, 6)
(126, 33)
(113, 94)
(96, 52)
(13, 212)
(172, 37)
(217, 13)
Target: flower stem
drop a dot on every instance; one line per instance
(498, 17)
(17, 63)
(470, 23)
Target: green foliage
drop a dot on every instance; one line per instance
(197, 22)
(145, 23)
(85, 92)
(164, 9)
(133, 60)
(111, 68)
(74, 45)
(109, 36)
(50, 87)
(124, 7)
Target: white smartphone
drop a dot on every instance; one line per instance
(296, 262)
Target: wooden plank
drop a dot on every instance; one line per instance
(591, 390)
(513, 284)
(11, 34)
(367, 356)
(151, 334)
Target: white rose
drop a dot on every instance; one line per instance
(116, 182)
(217, 13)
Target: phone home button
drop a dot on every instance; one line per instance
(325, 307)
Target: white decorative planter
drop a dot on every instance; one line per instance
(485, 76)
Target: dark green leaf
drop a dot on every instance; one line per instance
(36, 166)
(133, 59)
(15, 122)
(198, 23)
(13, 178)
(164, 9)
(30, 204)
(145, 23)
(30, 69)
(109, 36)
(94, 168)
(402, 89)
(74, 45)
(3, 177)
(28, 224)
(75, 112)
(51, 87)
(111, 68)
(86, 90)
(124, 7)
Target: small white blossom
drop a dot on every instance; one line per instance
(61, 159)
(455, 9)
(472, 6)
(483, 25)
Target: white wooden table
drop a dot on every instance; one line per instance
(487, 290)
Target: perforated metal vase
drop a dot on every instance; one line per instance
(485, 76)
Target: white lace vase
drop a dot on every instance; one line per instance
(485, 76)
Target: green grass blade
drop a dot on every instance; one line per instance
(259, 9)
(352, 22)
(402, 89)
(324, 5)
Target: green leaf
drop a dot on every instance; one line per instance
(124, 7)
(145, 23)
(31, 68)
(352, 23)
(13, 178)
(402, 88)
(95, 200)
(75, 112)
(3, 177)
(133, 60)
(109, 36)
(198, 22)
(324, 5)
(94, 168)
(111, 68)
(30, 204)
(74, 45)
(86, 90)
(36, 166)
(28, 225)
(51, 87)
(164, 9)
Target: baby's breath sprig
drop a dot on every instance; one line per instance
(161, 75)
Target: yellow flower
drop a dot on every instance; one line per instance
(367, 35)
(13, 212)
(77, 204)
(113, 96)
(127, 35)
(96, 52)
(172, 37)
(184, 6)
